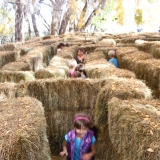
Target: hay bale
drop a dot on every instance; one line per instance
(123, 89)
(149, 70)
(16, 76)
(134, 128)
(37, 57)
(94, 56)
(9, 47)
(155, 50)
(16, 66)
(23, 134)
(107, 42)
(68, 52)
(2, 48)
(6, 57)
(102, 73)
(8, 90)
(129, 60)
(61, 98)
(144, 45)
(52, 72)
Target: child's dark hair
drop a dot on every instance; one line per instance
(83, 119)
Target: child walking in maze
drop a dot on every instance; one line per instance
(80, 142)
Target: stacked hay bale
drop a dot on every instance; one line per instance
(61, 100)
(155, 50)
(16, 66)
(59, 64)
(97, 66)
(36, 57)
(129, 60)
(16, 76)
(8, 90)
(134, 128)
(123, 89)
(6, 57)
(23, 130)
(149, 71)
(144, 45)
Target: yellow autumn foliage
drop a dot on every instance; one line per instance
(120, 12)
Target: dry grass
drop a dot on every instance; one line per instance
(23, 130)
(134, 128)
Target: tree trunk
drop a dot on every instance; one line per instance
(56, 17)
(35, 25)
(28, 23)
(18, 21)
(65, 21)
(88, 22)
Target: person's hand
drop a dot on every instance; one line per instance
(86, 156)
(63, 153)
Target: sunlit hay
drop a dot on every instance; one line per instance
(52, 72)
(6, 57)
(9, 47)
(94, 56)
(68, 52)
(8, 90)
(2, 48)
(149, 70)
(122, 51)
(94, 66)
(23, 130)
(155, 50)
(33, 40)
(122, 88)
(16, 66)
(16, 76)
(102, 73)
(107, 42)
(35, 58)
(144, 45)
(129, 60)
(134, 128)
(51, 41)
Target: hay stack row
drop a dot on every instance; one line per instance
(134, 128)
(97, 66)
(59, 65)
(23, 69)
(23, 130)
(144, 66)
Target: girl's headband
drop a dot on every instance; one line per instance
(85, 118)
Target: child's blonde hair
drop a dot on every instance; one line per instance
(72, 63)
(111, 53)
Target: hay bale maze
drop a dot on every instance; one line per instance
(38, 100)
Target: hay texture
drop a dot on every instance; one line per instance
(23, 130)
(144, 45)
(16, 66)
(129, 60)
(155, 50)
(68, 52)
(37, 57)
(134, 128)
(16, 76)
(8, 90)
(61, 100)
(6, 57)
(58, 68)
(149, 71)
(123, 89)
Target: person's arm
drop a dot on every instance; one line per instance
(89, 155)
(64, 152)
